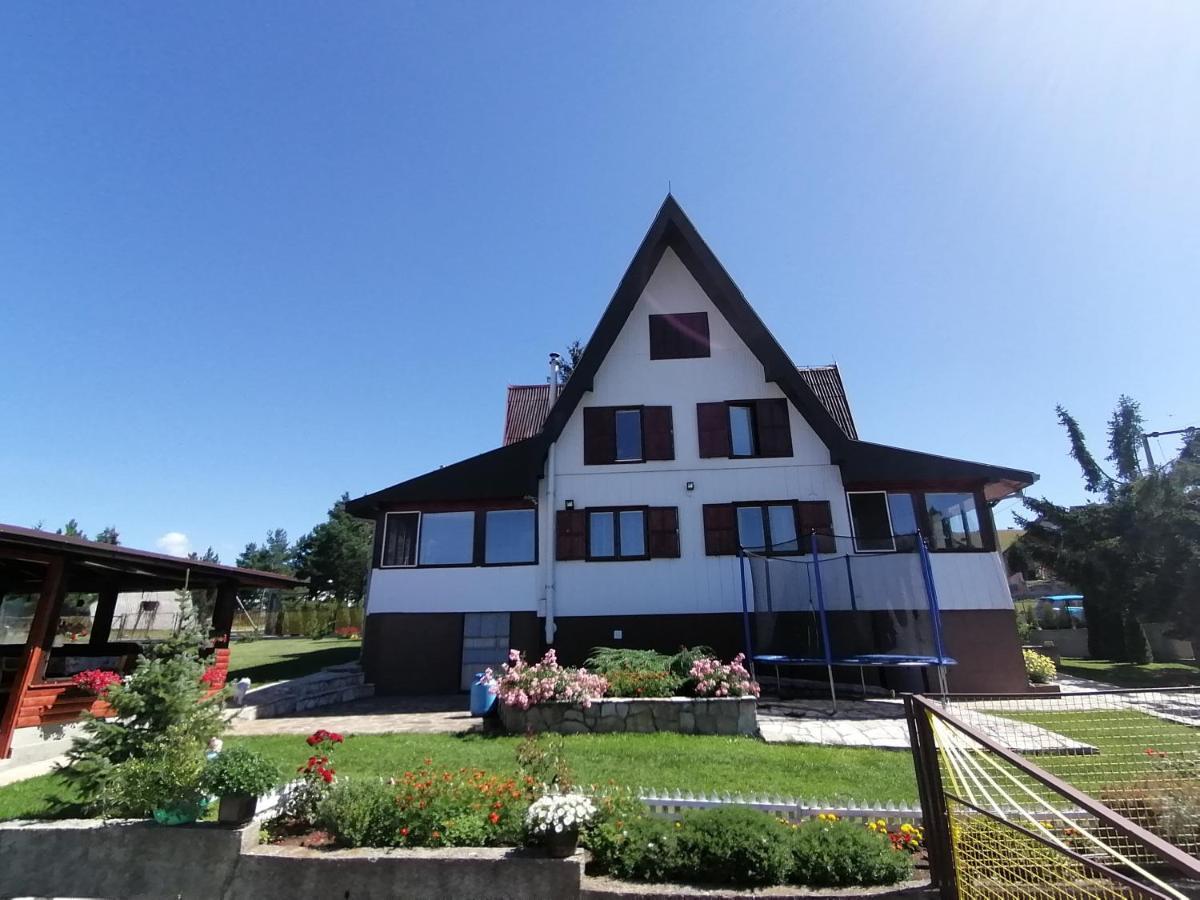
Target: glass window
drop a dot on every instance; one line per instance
(400, 539)
(629, 435)
(782, 522)
(751, 534)
(602, 538)
(633, 532)
(741, 430)
(509, 536)
(953, 522)
(447, 539)
(904, 521)
(869, 518)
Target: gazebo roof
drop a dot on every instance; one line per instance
(93, 566)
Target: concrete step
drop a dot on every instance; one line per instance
(335, 684)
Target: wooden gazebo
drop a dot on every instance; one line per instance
(48, 567)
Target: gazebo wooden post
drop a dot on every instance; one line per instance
(37, 648)
(106, 606)
(223, 611)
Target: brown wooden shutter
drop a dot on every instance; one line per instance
(679, 336)
(570, 534)
(712, 425)
(658, 433)
(720, 529)
(599, 435)
(816, 515)
(662, 523)
(774, 427)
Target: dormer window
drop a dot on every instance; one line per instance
(679, 336)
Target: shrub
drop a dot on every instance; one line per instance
(167, 778)
(831, 853)
(716, 679)
(1039, 668)
(632, 683)
(640, 848)
(523, 685)
(735, 845)
(239, 771)
(361, 814)
(162, 701)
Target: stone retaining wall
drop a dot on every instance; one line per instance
(685, 715)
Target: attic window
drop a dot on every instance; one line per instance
(679, 336)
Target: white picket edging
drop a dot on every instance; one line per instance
(672, 805)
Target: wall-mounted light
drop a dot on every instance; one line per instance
(570, 504)
(691, 485)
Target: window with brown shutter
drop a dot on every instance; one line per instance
(720, 529)
(570, 538)
(773, 427)
(712, 426)
(679, 336)
(599, 435)
(658, 432)
(816, 515)
(662, 524)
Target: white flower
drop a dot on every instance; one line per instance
(559, 812)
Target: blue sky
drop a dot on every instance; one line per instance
(255, 255)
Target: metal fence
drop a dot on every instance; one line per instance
(1089, 794)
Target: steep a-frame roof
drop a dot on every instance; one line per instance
(513, 470)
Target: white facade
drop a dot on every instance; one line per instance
(694, 582)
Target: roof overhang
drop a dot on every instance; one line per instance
(879, 464)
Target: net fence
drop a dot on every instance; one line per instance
(1095, 791)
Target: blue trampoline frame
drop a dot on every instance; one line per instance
(860, 660)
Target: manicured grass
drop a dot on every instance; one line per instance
(277, 659)
(1122, 738)
(1167, 674)
(658, 761)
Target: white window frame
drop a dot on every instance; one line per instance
(887, 506)
(383, 547)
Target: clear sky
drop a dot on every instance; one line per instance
(255, 255)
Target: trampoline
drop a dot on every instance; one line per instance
(856, 610)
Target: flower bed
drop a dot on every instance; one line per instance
(685, 715)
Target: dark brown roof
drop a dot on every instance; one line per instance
(528, 404)
(525, 410)
(93, 565)
(826, 383)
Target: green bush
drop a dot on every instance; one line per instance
(631, 683)
(638, 849)
(734, 845)
(840, 854)
(361, 814)
(239, 771)
(645, 673)
(170, 777)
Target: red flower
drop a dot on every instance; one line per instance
(494, 818)
(404, 832)
(327, 774)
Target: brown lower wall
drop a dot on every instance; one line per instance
(419, 653)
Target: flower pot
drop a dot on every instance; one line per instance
(183, 813)
(237, 809)
(561, 844)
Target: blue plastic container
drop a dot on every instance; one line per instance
(482, 698)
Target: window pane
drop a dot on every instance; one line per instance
(600, 534)
(629, 434)
(869, 516)
(633, 533)
(953, 521)
(741, 431)
(400, 539)
(782, 520)
(509, 536)
(904, 521)
(750, 528)
(447, 538)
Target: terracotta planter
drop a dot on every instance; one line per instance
(237, 809)
(561, 844)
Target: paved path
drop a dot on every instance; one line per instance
(373, 715)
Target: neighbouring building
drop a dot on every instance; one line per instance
(614, 511)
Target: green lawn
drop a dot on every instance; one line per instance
(659, 761)
(277, 659)
(1168, 674)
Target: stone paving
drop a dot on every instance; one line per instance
(373, 715)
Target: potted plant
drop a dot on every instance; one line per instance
(554, 820)
(239, 776)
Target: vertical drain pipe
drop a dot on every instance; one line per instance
(551, 504)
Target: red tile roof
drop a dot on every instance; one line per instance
(528, 404)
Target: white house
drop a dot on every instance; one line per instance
(614, 512)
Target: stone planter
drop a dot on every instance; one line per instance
(237, 809)
(635, 715)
